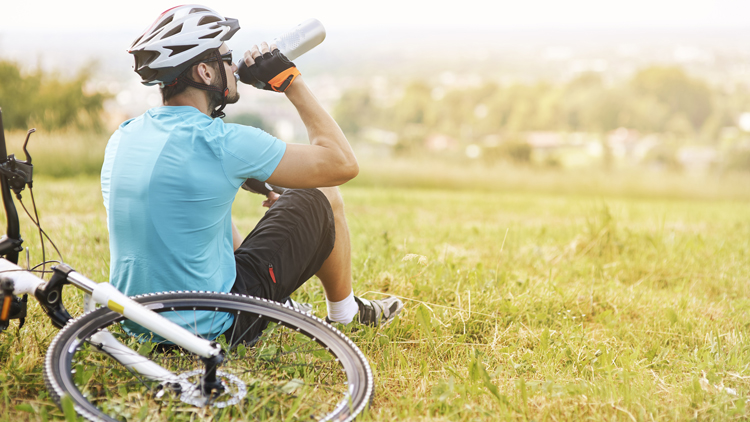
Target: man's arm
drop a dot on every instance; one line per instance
(329, 159)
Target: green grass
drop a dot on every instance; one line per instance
(526, 303)
(67, 153)
(460, 173)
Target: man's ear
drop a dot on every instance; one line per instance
(203, 73)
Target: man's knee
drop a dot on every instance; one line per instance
(334, 198)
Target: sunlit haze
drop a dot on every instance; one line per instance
(104, 15)
(387, 45)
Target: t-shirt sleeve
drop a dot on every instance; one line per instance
(250, 153)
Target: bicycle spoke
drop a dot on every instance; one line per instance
(244, 333)
(195, 327)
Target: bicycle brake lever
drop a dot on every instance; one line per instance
(19, 173)
(25, 151)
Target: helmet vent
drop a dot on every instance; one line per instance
(180, 48)
(212, 35)
(173, 31)
(198, 9)
(208, 19)
(136, 41)
(145, 40)
(163, 23)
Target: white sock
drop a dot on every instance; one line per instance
(344, 310)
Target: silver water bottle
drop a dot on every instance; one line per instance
(295, 42)
(303, 38)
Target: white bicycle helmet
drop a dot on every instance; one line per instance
(176, 39)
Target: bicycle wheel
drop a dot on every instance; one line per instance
(298, 368)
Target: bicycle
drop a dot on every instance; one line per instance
(299, 367)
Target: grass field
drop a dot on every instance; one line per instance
(534, 301)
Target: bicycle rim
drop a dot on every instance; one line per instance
(299, 368)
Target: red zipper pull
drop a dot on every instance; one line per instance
(270, 271)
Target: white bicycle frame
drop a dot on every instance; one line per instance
(24, 282)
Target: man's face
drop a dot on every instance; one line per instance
(230, 70)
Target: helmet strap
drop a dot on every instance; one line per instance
(224, 91)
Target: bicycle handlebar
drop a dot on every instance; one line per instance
(10, 244)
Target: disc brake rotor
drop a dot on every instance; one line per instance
(234, 390)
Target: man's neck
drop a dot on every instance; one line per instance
(191, 97)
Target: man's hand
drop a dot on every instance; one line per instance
(266, 68)
(271, 192)
(271, 199)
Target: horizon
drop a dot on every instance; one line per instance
(353, 55)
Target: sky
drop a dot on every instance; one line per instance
(136, 15)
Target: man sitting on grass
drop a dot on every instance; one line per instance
(170, 177)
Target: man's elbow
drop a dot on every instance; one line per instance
(352, 170)
(342, 172)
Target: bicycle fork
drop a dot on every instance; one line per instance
(49, 295)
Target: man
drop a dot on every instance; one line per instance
(170, 177)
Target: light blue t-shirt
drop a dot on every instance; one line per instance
(168, 182)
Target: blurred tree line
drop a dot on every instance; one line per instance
(48, 100)
(662, 100)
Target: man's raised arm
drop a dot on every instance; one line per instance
(329, 159)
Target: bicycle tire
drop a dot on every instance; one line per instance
(322, 375)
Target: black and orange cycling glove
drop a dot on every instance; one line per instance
(271, 71)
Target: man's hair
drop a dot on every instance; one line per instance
(170, 91)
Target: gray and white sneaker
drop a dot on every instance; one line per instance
(306, 308)
(376, 313)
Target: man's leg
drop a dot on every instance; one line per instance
(302, 234)
(287, 247)
(336, 276)
(336, 272)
